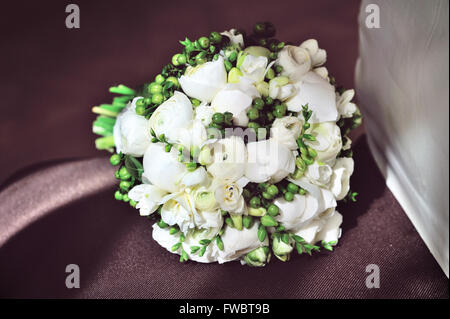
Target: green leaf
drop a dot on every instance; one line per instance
(176, 246)
(205, 242)
(202, 251)
(134, 167)
(194, 249)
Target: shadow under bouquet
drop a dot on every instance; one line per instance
(238, 149)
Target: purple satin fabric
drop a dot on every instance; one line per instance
(59, 213)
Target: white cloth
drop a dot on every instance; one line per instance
(402, 79)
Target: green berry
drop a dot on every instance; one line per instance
(157, 98)
(125, 185)
(125, 198)
(289, 196)
(175, 59)
(253, 113)
(124, 174)
(118, 195)
(258, 103)
(115, 159)
(270, 74)
(218, 118)
(273, 210)
(272, 190)
(255, 202)
(204, 42)
(159, 79)
(292, 188)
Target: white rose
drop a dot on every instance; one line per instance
(236, 99)
(237, 243)
(318, 56)
(286, 130)
(318, 94)
(254, 67)
(345, 107)
(319, 174)
(229, 196)
(340, 181)
(229, 159)
(162, 168)
(235, 39)
(148, 198)
(328, 141)
(295, 61)
(192, 238)
(172, 116)
(268, 160)
(204, 81)
(131, 135)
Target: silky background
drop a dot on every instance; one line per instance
(56, 193)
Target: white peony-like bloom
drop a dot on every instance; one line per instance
(295, 61)
(204, 113)
(236, 99)
(268, 160)
(328, 141)
(286, 130)
(340, 180)
(229, 196)
(131, 135)
(172, 116)
(237, 243)
(162, 168)
(318, 56)
(345, 107)
(235, 39)
(297, 212)
(179, 211)
(318, 94)
(148, 198)
(204, 81)
(229, 159)
(319, 174)
(331, 231)
(254, 67)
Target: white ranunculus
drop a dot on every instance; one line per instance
(204, 113)
(131, 135)
(172, 116)
(309, 232)
(197, 177)
(205, 199)
(162, 168)
(345, 107)
(281, 89)
(268, 160)
(286, 130)
(324, 197)
(163, 237)
(295, 61)
(318, 56)
(254, 67)
(319, 174)
(229, 159)
(229, 196)
(179, 211)
(298, 212)
(235, 39)
(148, 198)
(330, 231)
(340, 180)
(236, 99)
(204, 81)
(318, 94)
(328, 141)
(237, 243)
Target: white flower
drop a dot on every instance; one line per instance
(340, 181)
(162, 168)
(318, 174)
(322, 72)
(131, 135)
(279, 88)
(254, 67)
(148, 198)
(235, 39)
(163, 237)
(179, 211)
(229, 196)
(331, 231)
(236, 99)
(345, 107)
(204, 113)
(204, 81)
(193, 135)
(318, 56)
(205, 199)
(318, 94)
(328, 141)
(268, 160)
(295, 61)
(237, 243)
(229, 159)
(297, 212)
(172, 116)
(286, 130)
(197, 177)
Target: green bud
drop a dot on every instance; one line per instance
(125, 185)
(273, 210)
(215, 37)
(247, 221)
(270, 74)
(272, 190)
(176, 247)
(159, 79)
(253, 113)
(302, 191)
(258, 257)
(140, 109)
(204, 42)
(280, 249)
(191, 166)
(173, 80)
(205, 157)
(229, 222)
(115, 159)
(237, 220)
(218, 118)
(133, 203)
(125, 198)
(234, 75)
(228, 65)
(162, 224)
(219, 242)
(292, 188)
(261, 211)
(289, 196)
(255, 202)
(262, 233)
(118, 195)
(269, 221)
(157, 98)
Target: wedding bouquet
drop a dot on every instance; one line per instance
(238, 149)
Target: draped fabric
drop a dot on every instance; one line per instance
(59, 212)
